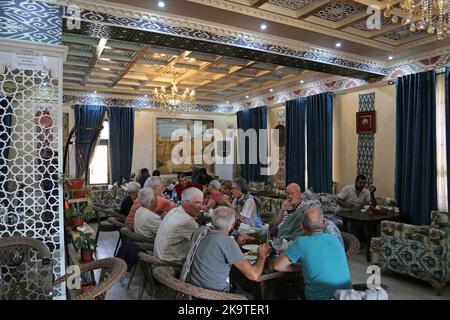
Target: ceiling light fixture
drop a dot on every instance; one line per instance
(246, 97)
(228, 102)
(263, 26)
(106, 69)
(271, 90)
(391, 58)
(430, 15)
(338, 44)
(173, 101)
(301, 81)
(105, 59)
(161, 4)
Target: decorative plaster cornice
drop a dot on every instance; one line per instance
(329, 84)
(217, 29)
(429, 54)
(138, 102)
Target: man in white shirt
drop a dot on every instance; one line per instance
(244, 203)
(175, 231)
(355, 196)
(146, 221)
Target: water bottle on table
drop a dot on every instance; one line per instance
(258, 222)
(174, 196)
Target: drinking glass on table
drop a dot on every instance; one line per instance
(277, 244)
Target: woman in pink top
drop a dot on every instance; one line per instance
(215, 198)
(162, 205)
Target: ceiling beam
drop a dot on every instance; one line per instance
(362, 15)
(267, 85)
(190, 73)
(233, 70)
(100, 47)
(75, 39)
(167, 67)
(131, 64)
(312, 8)
(259, 3)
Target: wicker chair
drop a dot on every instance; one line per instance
(112, 270)
(106, 226)
(119, 224)
(148, 262)
(24, 244)
(127, 235)
(168, 276)
(351, 244)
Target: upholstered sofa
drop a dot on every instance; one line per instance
(419, 251)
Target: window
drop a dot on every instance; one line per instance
(99, 168)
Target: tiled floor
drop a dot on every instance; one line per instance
(402, 287)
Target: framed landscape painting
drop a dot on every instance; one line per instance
(165, 127)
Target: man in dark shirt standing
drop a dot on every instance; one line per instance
(143, 177)
(203, 177)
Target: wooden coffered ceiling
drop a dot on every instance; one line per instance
(319, 23)
(133, 68)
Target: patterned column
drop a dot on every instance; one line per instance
(366, 142)
(31, 146)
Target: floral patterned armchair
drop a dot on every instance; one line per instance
(419, 251)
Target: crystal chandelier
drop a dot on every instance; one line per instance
(172, 100)
(430, 15)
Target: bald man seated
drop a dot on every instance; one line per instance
(319, 256)
(286, 223)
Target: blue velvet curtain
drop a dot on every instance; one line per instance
(295, 141)
(319, 119)
(447, 124)
(91, 116)
(415, 163)
(255, 118)
(121, 137)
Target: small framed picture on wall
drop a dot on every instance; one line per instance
(365, 122)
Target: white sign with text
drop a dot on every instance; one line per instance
(27, 60)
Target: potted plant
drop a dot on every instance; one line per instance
(86, 284)
(85, 243)
(76, 215)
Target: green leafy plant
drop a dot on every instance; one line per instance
(84, 241)
(87, 209)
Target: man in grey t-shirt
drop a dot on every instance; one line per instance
(216, 252)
